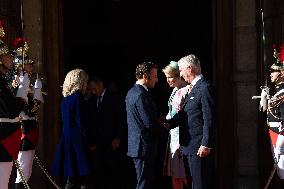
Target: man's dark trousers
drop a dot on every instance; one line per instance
(145, 173)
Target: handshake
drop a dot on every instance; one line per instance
(163, 121)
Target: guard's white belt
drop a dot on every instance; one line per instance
(274, 124)
(8, 120)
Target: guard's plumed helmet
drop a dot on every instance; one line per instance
(21, 49)
(279, 59)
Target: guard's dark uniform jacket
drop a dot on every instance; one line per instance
(10, 131)
(275, 111)
(30, 130)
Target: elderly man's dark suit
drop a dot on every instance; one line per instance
(107, 123)
(197, 128)
(142, 134)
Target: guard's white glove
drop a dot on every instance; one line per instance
(24, 87)
(37, 90)
(278, 151)
(38, 84)
(263, 100)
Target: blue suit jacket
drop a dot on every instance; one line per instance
(196, 118)
(142, 123)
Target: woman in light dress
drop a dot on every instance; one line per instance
(174, 164)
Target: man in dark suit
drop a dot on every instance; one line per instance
(106, 131)
(197, 125)
(143, 125)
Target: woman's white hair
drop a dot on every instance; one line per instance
(190, 60)
(74, 81)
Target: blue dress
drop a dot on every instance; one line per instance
(72, 153)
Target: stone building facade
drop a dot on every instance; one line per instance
(240, 59)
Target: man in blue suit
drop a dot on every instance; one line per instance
(197, 125)
(143, 127)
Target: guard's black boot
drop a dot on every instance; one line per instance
(19, 185)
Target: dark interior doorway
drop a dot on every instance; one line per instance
(110, 37)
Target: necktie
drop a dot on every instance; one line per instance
(99, 102)
(190, 88)
(186, 95)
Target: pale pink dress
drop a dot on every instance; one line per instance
(174, 165)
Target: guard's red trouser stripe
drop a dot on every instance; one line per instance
(12, 143)
(32, 136)
(273, 137)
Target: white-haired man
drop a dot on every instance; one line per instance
(196, 121)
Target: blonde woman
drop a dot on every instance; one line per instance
(72, 153)
(174, 166)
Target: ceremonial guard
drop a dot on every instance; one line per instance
(275, 112)
(29, 114)
(10, 108)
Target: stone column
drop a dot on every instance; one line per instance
(44, 34)
(32, 10)
(245, 80)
